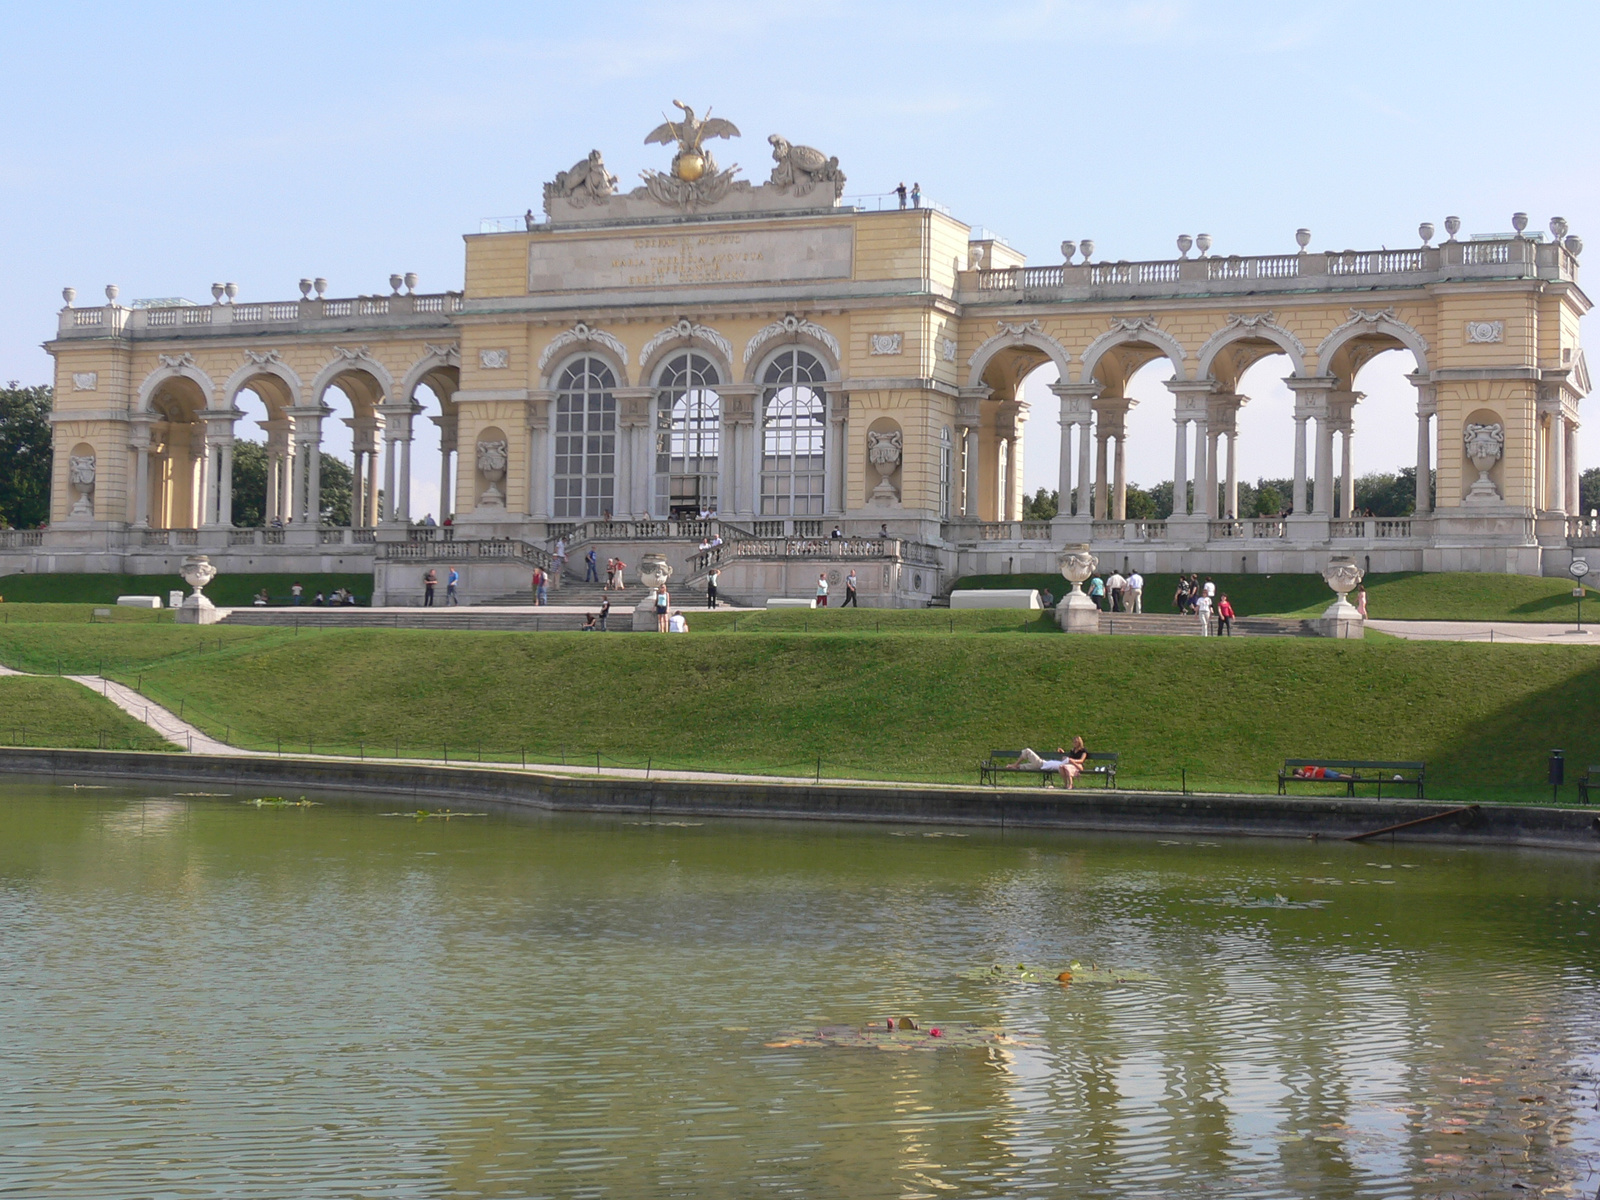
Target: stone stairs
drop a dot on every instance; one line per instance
(538, 621)
(1179, 625)
(572, 594)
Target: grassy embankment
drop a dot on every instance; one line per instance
(915, 701)
(228, 590)
(1402, 596)
(58, 712)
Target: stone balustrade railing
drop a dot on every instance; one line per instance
(116, 320)
(464, 549)
(20, 539)
(1521, 258)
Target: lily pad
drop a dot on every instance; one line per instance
(890, 1035)
(1073, 974)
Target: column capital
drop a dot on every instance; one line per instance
(1193, 397)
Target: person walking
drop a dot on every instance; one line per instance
(1210, 590)
(450, 581)
(429, 582)
(541, 585)
(712, 580)
(605, 611)
(560, 556)
(1133, 593)
(1202, 608)
(822, 591)
(850, 590)
(901, 192)
(1224, 617)
(591, 567)
(1117, 585)
(1097, 592)
(295, 593)
(621, 566)
(1361, 601)
(663, 607)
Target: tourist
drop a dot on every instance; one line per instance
(1224, 617)
(916, 195)
(319, 601)
(1210, 590)
(429, 522)
(1133, 593)
(450, 581)
(1031, 760)
(822, 591)
(883, 530)
(676, 623)
(1202, 608)
(559, 558)
(716, 547)
(663, 603)
(621, 566)
(712, 580)
(541, 586)
(605, 611)
(338, 596)
(588, 623)
(295, 592)
(429, 582)
(900, 191)
(591, 567)
(836, 534)
(611, 574)
(1097, 592)
(350, 599)
(1180, 598)
(850, 590)
(1115, 586)
(1077, 759)
(529, 220)
(1047, 598)
(261, 597)
(1361, 600)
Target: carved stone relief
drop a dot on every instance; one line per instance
(85, 381)
(1486, 331)
(886, 343)
(494, 360)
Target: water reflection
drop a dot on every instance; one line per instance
(207, 996)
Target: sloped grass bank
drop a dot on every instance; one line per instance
(228, 590)
(58, 712)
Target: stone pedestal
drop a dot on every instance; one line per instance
(197, 610)
(1076, 613)
(1341, 619)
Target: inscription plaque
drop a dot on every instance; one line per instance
(688, 259)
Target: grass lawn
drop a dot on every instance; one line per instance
(58, 712)
(903, 694)
(229, 590)
(1401, 596)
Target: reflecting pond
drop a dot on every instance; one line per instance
(203, 995)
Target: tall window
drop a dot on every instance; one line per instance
(586, 440)
(946, 472)
(794, 414)
(688, 436)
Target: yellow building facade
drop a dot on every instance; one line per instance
(771, 365)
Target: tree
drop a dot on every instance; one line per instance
(1043, 506)
(1589, 490)
(250, 487)
(25, 455)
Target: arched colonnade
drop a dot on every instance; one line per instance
(184, 423)
(1092, 390)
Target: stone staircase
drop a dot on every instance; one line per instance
(1178, 625)
(538, 621)
(570, 593)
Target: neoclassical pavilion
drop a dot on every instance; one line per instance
(770, 362)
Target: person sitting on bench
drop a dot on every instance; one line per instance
(1319, 773)
(1068, 763)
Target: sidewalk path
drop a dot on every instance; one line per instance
(1523, 633)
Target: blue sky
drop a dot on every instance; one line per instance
(166, 146)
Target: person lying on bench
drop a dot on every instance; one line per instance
(1068, 763)
(1319, 773)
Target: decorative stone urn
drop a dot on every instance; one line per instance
(1485, 443)
(654, 570)
(1075, 612)
(1341, 619)
(492, 466)
(884, 451)
(80, 472)
(197, 571)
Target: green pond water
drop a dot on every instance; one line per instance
(200, 997)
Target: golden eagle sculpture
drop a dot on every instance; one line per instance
(692, 160)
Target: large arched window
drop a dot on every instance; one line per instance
(586, 440)
(794, 416)
(688, 436)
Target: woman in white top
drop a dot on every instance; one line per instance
(1202, 608)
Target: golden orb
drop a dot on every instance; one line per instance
(689, 166)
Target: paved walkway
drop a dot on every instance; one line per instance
(1511, 632)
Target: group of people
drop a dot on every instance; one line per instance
(1118, 592)
(849, 590)
(916, 194)
(430, 581)
(1068, 764)
(614, 569)
(341, 597)
(669, 619)
(593, 623)
(1201, 600)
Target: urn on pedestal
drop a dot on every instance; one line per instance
(197, 571)
(1075, 612)
(1485, 442)
(1341, 619)
(654, 570)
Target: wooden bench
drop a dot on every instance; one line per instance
(1587, 781)
(1398, 775)
(997, 767)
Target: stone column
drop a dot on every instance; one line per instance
(839, 441)
(1203, 504)
(1347, 490)
(1119, 494)
(969, 417)
(448, 424)
(1180, 468)
(1558, 464)
(1298, 501)
(217, 488)
(1076, 409)
(1085, 480)
(1426, 407)
(538, 413)
(974, 474)
(397, 419)
(1213, 471)
(225, 516)
(141, 470)
(390, 452)
(1574, 489)
(1102, 485)
(1232, 498)
(1323, 505)
(1064, 460)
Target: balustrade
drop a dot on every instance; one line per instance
(18, 539)
(1269, 528)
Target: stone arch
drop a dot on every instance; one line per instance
(1140, 331)
(351, 362)
(438, 363)
(787, 334)
(583, 338)
(1012, 335)
(265, 367)
(685, 335)
(1259, 327)
(181, 366)
(1368, 329)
